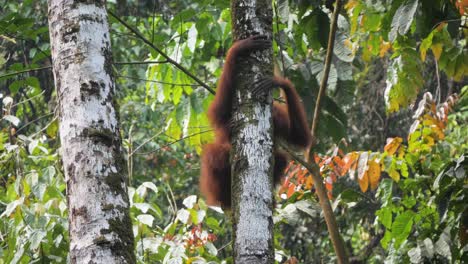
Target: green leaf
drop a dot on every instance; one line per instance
(36, 238)
(283, 10)
(350, 195)
(52, 129)
(402, 226)
(385, 216)
(11, 207)
(342, 48)
(146, 219)
(192, 38)
(404, 80)
(443, 244)
(402, 19)
(12, 119)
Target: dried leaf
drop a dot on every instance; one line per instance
(392, 145)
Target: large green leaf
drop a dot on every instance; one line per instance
(404, 80)
(402, 19)
(402, 226)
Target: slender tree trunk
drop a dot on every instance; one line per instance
(252, 141)
(95, 170)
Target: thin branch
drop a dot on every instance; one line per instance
(35, 120)
(310, 164)
(144, 143)
(279, 37)
(27, 100)
(140, 62)
(25, 71)
(438, 90)
(321, 191)
(173, 142)
(50, 67)
(326, 71)
(169, 59)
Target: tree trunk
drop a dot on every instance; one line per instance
(95, 170)
(252, 141)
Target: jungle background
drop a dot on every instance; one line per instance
(392, 138)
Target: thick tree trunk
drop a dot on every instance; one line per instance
(252, 141)
(100, 227)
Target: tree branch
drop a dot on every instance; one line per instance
(310, 164)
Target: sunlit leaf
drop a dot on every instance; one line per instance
(364, 182)
(402, 19)
(392, 145)
(374, 174)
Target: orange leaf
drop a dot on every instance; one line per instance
(392, 145)
(338, 166)
(384, 48)
(333, 176)
(309, 182)
(329, 184)
(291, 190)
(348, 161)
(374, 174)
(364, 182)
(300, 175)
(316, 158)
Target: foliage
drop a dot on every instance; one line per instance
(401, 201)
(423, 162)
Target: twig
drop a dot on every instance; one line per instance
(139, 62)
(279, 37)
(35, 120)
(25, 71)
(173, 142)
(144, 143)
(169, 59)
(29, 99)
(326, 71)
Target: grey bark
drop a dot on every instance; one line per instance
(252, 140)
(95, 170)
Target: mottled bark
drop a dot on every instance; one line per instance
(252, 141)
(95, 170)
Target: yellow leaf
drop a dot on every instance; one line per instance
(351, 4)
(423, 54)
(437, 50)
(384, 48)
(392, 145)
(364, 182)
(374, 174)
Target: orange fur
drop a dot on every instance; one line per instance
(289, 120)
